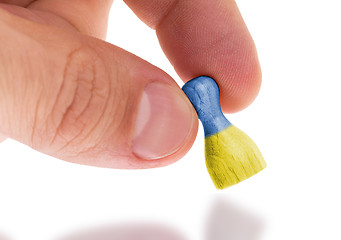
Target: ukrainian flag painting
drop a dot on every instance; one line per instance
(231, 156)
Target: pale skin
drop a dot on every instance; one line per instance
(66, 92)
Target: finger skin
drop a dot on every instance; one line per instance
(206, 38)
(87, 16)
(22, 3)
(2, 138)
(75, 97)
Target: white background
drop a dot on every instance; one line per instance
(295, 121)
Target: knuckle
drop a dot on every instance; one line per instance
(81, 99)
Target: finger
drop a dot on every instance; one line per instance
(80, 99)
(22, 3)
(2, 138)
(87, 16)
(206, 38)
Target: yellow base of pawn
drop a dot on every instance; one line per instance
(231, 157)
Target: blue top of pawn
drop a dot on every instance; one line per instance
(203, 92)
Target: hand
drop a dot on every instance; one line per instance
(66, 93)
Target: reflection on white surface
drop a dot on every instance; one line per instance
(128, 232)
(229, 222)
(2, 237)
(225, 221)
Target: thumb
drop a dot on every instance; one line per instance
(80, 99)
(2, 138)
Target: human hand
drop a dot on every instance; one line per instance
(66, 93)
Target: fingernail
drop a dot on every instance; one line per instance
(165, 120)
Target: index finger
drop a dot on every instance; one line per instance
(206, 38)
